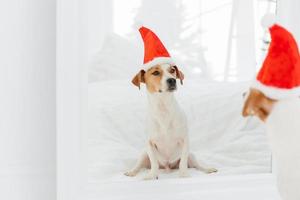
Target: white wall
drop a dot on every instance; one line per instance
(289, 15)
(27, 102)
(245, 40)
(100, 23)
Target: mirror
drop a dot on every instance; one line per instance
(218, 45)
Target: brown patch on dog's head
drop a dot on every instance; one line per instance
(153, 78)
(257, 104)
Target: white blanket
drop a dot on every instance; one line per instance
(219, 136)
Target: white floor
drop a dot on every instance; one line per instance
(237, 187)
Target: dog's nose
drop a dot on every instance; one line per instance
(171, 81)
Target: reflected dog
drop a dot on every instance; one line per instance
(282, 120)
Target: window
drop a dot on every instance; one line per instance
(216, 39)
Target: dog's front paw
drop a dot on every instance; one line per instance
(184, 174)
(130, 173)
(210, 170)
(151, 176)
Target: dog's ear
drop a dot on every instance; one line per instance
(258, 104)
(179, 74)
(139, 78)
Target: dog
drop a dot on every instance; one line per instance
(168, 144)
(282, 120)
(257, 104)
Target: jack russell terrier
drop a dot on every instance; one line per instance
(168, 143)
(274, 98)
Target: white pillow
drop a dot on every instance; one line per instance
(118, 58)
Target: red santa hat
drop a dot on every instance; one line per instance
(279, 76)
(154, 51)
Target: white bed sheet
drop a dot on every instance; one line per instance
(219, 136)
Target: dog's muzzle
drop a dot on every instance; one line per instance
(171, 82)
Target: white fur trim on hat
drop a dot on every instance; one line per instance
(268, 20)
(276, 93)
(157, 61)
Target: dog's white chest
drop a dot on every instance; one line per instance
(167, 128)
(168, 133)
(168, 147)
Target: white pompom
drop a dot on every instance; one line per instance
(268, 20)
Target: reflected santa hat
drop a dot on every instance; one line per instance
(279, 76)
(154, 51)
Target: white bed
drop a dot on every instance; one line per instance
(233, 187)
(219, 136)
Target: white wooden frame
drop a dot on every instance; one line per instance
(71, 96)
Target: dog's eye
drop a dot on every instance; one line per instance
(156, 73)
(172, 70)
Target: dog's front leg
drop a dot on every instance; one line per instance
(143, 161)
(151, 148)
(183, 165)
